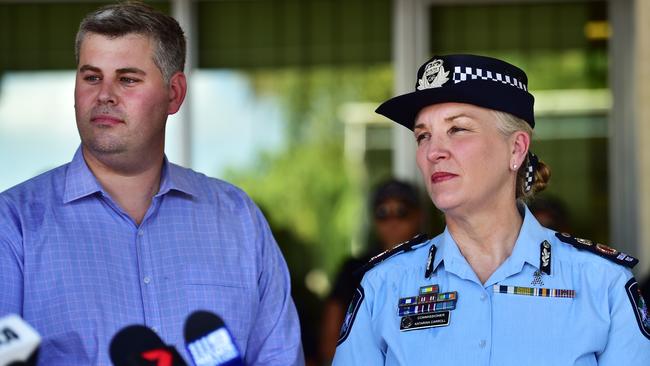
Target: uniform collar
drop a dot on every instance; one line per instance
(81, 182)
(526, 250)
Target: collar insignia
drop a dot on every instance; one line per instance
(545, 257)
(432, 255)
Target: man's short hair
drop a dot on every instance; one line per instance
(118, 20)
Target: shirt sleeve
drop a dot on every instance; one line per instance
(628, 341)
(358, 343)
(275, 337)
(11, 263)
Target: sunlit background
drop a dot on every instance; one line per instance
(281, 103)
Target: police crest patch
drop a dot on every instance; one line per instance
(639, 306)
(434, 75)
(355, 304)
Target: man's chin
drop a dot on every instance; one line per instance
(104, 148)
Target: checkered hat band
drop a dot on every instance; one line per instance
(530, 171)
(464, 73)
(530, 178)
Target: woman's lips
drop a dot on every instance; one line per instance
(439, 177)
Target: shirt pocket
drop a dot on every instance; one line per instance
(236, 302)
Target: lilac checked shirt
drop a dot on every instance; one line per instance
(76, 267)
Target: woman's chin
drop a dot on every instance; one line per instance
(445, 203)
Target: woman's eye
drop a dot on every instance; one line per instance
(455, 129)
(419, 138)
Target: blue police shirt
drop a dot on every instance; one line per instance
(76, 267)
(580, 314)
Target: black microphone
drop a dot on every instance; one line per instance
(137, 345)
(18, 342)
(209, 342)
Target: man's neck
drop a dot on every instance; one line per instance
(131, 185)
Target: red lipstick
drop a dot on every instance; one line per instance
(439, 177)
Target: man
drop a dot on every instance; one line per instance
(397, 217)
(121, 236)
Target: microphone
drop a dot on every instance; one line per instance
(137, 345)
(18, 342)
(209, 342)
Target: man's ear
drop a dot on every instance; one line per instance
(177, 91)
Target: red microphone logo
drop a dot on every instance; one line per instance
(160, 355)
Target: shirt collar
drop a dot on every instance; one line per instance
(176, 178)
(527, 246)
(449, 253)
(80, 181)
(526, 250)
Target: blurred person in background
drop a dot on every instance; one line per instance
(120, 235)
(496, 287)
(551, 213)
(397, 216)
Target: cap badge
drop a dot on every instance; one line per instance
(434, 75)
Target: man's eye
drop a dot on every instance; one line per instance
(91, 78)
(128, 80)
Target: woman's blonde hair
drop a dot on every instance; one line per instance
(507, 125)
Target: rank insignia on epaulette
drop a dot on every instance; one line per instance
(599, 249)
(430, 308)
(399, 248)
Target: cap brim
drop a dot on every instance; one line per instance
(404, 109)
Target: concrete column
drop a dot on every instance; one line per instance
(629, 130)
(410, 48)
(183, 12)
(642, 103)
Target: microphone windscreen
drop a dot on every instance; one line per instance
(137, 345)
(209, 342)
(19, 342)
(201, 323)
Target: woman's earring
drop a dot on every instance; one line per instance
(514, 166)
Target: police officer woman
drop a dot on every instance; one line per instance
(495, 288)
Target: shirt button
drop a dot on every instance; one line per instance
(140, 232)
(147, 280)
(155, 330)
(482, 343)
(483, 296)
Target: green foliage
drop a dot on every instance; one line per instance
(306, 189)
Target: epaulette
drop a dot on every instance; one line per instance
(599, 249)
(399, 248)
